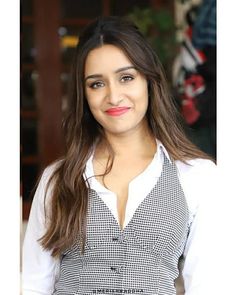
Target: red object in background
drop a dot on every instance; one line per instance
(193, 86)
(189, 111)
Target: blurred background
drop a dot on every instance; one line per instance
(49, 30)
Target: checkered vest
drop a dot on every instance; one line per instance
(140, 259)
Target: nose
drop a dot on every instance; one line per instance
(113, 94)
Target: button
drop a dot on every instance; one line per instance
(123, 239)
(118, 269)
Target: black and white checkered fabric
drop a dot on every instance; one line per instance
(140, 259)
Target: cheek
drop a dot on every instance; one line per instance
(144, 102)
(142, 95)
(92, 101)
(89, 101)
(94, 107)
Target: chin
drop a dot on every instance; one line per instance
(120, 131)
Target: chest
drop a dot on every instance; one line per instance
(118, 180)
(143, 255)
(161, 216)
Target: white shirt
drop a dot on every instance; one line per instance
(198, 182)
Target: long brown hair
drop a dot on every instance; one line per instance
(69, 197)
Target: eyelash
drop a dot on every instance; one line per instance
(97, 84)
(127, 78)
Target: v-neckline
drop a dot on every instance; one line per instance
(103, 188)
(122, 230)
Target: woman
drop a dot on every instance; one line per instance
(124, 203)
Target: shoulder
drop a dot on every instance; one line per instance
(198, 178)
(48, 172)
(196, 171)
(50, 169)
(44, 189)
(196, 167)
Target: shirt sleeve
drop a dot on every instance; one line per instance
(204, 267)
(38, 266)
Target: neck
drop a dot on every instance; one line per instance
(137, 143)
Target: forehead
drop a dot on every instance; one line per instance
(105, 58)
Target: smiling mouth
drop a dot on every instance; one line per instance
(117, 111)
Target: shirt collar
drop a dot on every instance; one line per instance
(161, 150)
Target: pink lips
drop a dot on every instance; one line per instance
(117, 111)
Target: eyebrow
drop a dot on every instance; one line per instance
(116, 71)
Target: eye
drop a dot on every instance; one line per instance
(127, 78)
(96, 84)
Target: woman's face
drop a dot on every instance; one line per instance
(116, 92)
